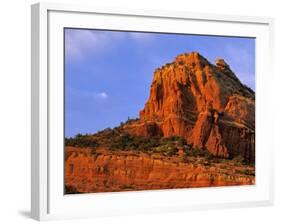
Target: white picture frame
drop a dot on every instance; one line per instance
(47, 198)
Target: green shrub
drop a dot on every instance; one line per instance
(82, 141)
(172, 150)
(239, 160)
(216, 160)
(186, 159)
(246, 172)
(116, 139)
(210, 156)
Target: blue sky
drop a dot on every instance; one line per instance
(108, 73)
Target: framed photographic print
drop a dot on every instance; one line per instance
(148, 111)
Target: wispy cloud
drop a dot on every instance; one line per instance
(80, 43)
(141, 37)
(73, 92)
(102, 95)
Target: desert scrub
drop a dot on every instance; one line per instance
(238, 160)
(186, 159)
(82, 141)
(246, 172)
(196, 152)
(115, 139)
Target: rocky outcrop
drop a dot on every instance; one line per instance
(125, 171)
(204, 103)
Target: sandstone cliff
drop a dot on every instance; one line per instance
(127, 171)
(202, 102)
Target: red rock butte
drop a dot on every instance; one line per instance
(204, 103)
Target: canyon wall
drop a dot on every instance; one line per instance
(125, 171)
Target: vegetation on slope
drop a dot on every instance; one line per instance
(116, 139)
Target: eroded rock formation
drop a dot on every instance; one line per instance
(204, 103)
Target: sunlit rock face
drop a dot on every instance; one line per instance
(127, 171)
(204, 103)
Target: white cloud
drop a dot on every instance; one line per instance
(74, 92)
(80, 42)
(141, 37)
(102, 95)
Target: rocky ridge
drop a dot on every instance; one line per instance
(204, 103)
